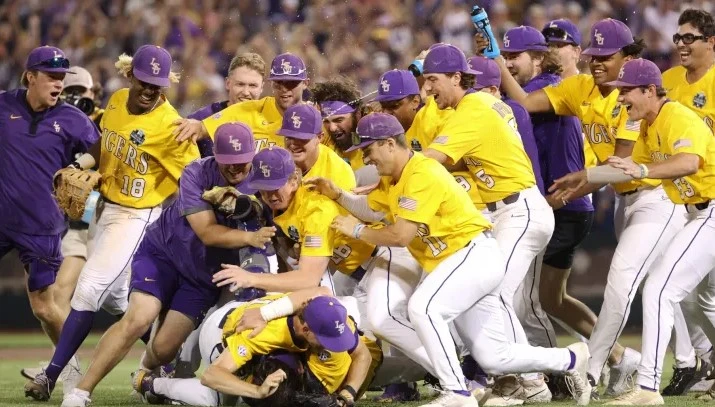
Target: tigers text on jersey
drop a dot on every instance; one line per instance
(140, 161)
(307, 222)
(482, 130)
(697, 96)
(603, 119)
(262, 116)
(425, 127)
(677, 129)
(427, 196)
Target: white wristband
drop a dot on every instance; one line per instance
(279, 308)
(86, 161)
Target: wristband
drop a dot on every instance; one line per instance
(279, 308)
(350, 390)
(644, 171)
(357, 230)
(75, 165)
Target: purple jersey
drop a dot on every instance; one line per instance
(560, 143)
(33, 147)
(173, 234)
(206, 145)
(523, 124)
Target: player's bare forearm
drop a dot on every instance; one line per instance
(224, 381)
(399, 234)
(224, 237)
(624, 148)
(585, 190)
(359, 366)
(678, 165)
(310, 271)
(300, 297)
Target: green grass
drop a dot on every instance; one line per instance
(115, 390)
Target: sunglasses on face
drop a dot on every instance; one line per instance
(687, 38)
(56, 62)
(556, 33)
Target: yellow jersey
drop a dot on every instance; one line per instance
(140, 160)
(426, 194)
(330, 368)
(426, 126)
(602, 117)
(354, 158)
(482, 130)
(330, 165)
(262, 116)
(677, 129)
(698, 96)
(307, 222)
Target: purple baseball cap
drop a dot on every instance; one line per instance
(487, 72)
(563, 31)
(524, 38)
(374, 127)
(233, 144)
(608, 37)
(328, 320)
(638, 72)
(288, 67)
(302, 122)
(446, 58)
(272, 167)
(47, 59)
(152, 64)
(395, 85)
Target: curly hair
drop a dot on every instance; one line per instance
(634, 50)
(339, 88)
(285, 394)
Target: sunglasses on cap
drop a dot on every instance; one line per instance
(357, 139)
(556, 33)
(56, 62)
(687, 38)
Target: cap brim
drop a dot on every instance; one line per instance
(344, 342)
(267, 185)
(561, 41)
(359, 146)
(601, 52)
(53, 70)
(150, 79)
(296, 134)
(622, 84)
(296, 78)
(470, 72)
(229, 159)
(390, 98)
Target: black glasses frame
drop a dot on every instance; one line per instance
(687, 38)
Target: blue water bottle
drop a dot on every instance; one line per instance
(481, 22)
(90, 206)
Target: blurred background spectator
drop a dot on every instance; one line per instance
(358, 38)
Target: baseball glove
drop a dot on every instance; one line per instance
(222, 198)
(72, 187)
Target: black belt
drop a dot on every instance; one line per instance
(492, 206)
(359, 272)
(629, 192)
(225, 317)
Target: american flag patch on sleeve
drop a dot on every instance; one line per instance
(407, 203)
(313, 241)
(440, 140)
(633, 125)
(682, 143)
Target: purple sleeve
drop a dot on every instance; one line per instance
(192, 185)
(526, 130)
(85, 133)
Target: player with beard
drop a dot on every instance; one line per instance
(645, 220)
(289, 78)
(243, 82)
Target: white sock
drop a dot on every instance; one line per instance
(187, 391)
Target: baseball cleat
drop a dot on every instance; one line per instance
(577, 378)
(621, 377)
(507, 391)
(76, 398)
(685, 378)
(451, 399)
(535, 391)
(638, 397)
(143, 383)
(40, 388)
(71, 375)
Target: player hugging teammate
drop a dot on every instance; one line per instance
(450, 217)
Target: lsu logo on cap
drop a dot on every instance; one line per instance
(286, 66)
(296, 120)
(598, 36)
(155, 66)
(340, 327)
(236, 143)
(265, 169)
(506, 41)
(385, 85)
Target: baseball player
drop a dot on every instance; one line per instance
(690, 84)
(137, 175)
(74, 243)
(678, 148)
(645, 220)
(340, 104)
(433, 218)
(289, 78)
(43, 130)
(493, 152)
(244, 82)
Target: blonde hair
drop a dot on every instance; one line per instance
(250, 60)
(124, 66)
